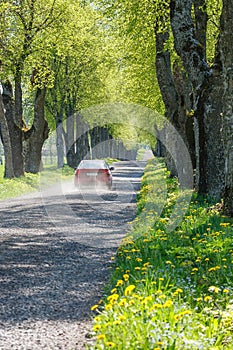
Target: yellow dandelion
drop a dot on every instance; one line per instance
(216, 268)
(97, 319)
(122, 302)
(214, 289)
(147, 299)
(186, 312)
(208, 298)
(211, 269)
(119, 283)
(94, 307)
(156, 306)
(177, 317)
(224, 224)
(101, 336)
(126, 277)
(162, 296)
(168, 303)
(122, 317)
(108, 307)
(146, 264)
(113, 298)
(116, 322)
(129, 289)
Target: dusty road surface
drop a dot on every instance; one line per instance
(55, 253)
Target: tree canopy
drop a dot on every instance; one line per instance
(60, 57)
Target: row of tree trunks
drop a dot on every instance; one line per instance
(191, 87)
(89, 142)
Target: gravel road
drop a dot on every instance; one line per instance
(55, 253)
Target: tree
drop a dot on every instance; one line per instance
(80, 63)
(4, 132)
(39, 131)
(194, 72)
(23, 30)
(226, 64)
(211, 95)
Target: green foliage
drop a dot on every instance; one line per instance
(169, 290)
(131, 28)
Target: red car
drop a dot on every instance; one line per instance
(93, 172)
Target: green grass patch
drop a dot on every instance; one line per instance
(10, 188)
(169, 290)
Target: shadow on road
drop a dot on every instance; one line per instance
(56, 250)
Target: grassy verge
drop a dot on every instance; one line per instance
(169, 290)
(31, 182)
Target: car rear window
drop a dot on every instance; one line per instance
(93, 164)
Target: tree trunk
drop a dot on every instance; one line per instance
(206, 95)
(16, 134)
(226, 59)
(17, 149)
(168, 90)
(82, 144)
(70, 145)
(175, 88)
(59, 141)
(40, 134)
(5, 136)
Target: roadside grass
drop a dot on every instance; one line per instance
(10, 188)
(169, 290)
